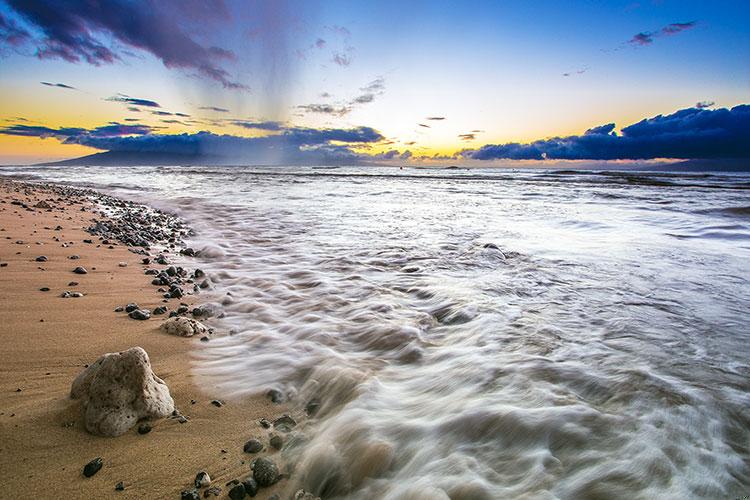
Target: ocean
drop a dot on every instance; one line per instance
(480, 333)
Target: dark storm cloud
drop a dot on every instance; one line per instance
(690, 133)
(133, 101)
(647, 37)
(292, 144)
(72, 134)
(59, 85)
(72, 30)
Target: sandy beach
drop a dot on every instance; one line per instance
(47, 340)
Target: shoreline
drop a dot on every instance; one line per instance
(48, 339)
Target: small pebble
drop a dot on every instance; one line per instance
(252, 446)
(144, 429)
(80, 270)
(120, 486)
(93, 467)
(202, 479)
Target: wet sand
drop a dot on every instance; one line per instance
(47, 340)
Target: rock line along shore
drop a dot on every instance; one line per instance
(75, 265)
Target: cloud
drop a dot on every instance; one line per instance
(264, 125)
(78, 30)
(133, 101)
(298, 144)
(161, 113)
(11, 34)
(467, 137)
(325, 109)
(690, 133)
(704, 104)
(647, 37)
(214, 108)
(72, 134)
(364, 99)
(320, 43)
(435, 118)
(342, 59)
(423, 125)
(60, 85)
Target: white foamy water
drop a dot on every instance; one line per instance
(481, 334)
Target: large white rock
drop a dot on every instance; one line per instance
(184, 327)
(118, 390)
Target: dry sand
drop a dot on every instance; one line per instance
(46, 341)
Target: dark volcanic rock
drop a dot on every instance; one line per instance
(189, 495)
(41, 258)
(265, 472)
(212, 491)
(80, 270)
(93, 467)
(131, 307)
(120, 486)
(140, 314)
(144, 429)
(237, 492)
(276, 441)
(252, 446)
(284, 423)
(251, 487)
(160, 310)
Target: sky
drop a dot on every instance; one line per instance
(315, 82)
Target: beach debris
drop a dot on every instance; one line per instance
(252, 446)
(119, 389)
(183, 327)
(237, 492)
(140, 314)
(202, 479)
(265, 472)
(80, 270)
(93, 467)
